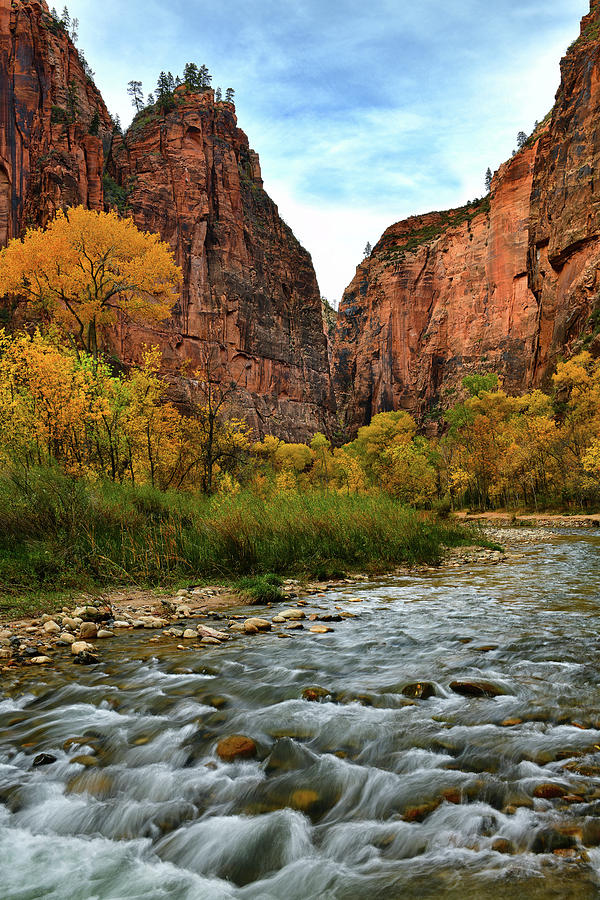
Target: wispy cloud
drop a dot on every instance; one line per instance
(361, 113)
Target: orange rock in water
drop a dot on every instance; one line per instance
(237, 746)
(549, 791)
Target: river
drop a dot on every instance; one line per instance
(368, 794)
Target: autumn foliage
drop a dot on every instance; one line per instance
(86, 268)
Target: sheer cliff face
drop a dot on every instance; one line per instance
(506, 289)
(250, 290)
(48, 158)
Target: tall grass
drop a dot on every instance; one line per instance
(59, 533)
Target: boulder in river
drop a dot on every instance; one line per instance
(236, 746)
(43, 759)
(476, 689)
(419, 690)
(316, 694)
(88, 631)
(258, 624)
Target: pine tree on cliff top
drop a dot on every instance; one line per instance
(134, 90)
(488, 180)
(229, 95)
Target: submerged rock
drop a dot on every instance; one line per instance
(43, 759)
(237, 746)
(419, 690)
(476, 689)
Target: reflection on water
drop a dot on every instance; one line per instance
(370, 794)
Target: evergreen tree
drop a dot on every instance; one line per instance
(521, 139)
(150, 100)
(218, 95)
(170, 82)
(204, 76)
(134, 90)
(54, 14)
(66, 18)
(117, 129)
(191, 76)
(488, 180)
(164, 92)
(75, 30)
(368, 250)
(229, 95)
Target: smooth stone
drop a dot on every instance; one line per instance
(278, 619)
(88, 631)
(237, 746)
(40, 660)
(237, 627)
(5, 654)
(549, 791)
(320, 629)
(121, 624)
(295, 626)
(189, 634)
(476, 689)
(80, 647)
(293, 614)
(51, 627)
(419, 690)
(103, 633)
(43, 759)
(66, 637)
(68, 622)
(259, 624)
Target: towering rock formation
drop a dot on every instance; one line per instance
(53, 121)
(504, 286)
(250, 294)
(250, 291)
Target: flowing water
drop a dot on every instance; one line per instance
(366, 795)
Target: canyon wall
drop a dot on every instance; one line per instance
(503, 286)
(250, 300)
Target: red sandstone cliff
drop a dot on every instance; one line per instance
(503, 287)
(250, 290)
(48, 157)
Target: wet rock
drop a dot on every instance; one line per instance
(97, 784)
(67, 638)
(205, 632)
(86, 658)
(419, 690)
(104, 633)
(278, 619)
(238, 628)
(40, 660)
(258, 624)
(320, 629)
(288, 755)
(236, 746)
(293, 614)
(549, 791)
(509, 723)
(51, 627)
(68, 622)
(591, 833)
(305, 800)
(85, 760)
(43, 759)
(121, 624)
(476, 689)
(81, 647)
(315, 694)
(548, 840)
(189, 634)
(5, 654)
(502, 845)
(295, 626)
(419, 813)
(88, 631)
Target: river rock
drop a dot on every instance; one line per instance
(43, 759)
(88, 631)
(205, 632)
(189, 634)
(548, 840)
(84, 760)
(66, 637)
(81, 647)
(237, 746)
(304, 800)
(51, 627)
(40, 660)
(104, 633)
(121, 624)
(258, 624)
(476, 689)
(5, 654)
(549, 791)
(295, 626)
(293, 614)
(419, 690)
(68, 622)
(320, 629)
(237, 628)
(315, 694)
(278, 619)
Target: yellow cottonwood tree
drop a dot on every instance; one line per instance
(86, 267)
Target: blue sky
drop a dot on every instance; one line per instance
(362, 112)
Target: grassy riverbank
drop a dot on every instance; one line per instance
(59, 536)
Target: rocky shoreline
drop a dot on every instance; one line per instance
(79, 632)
